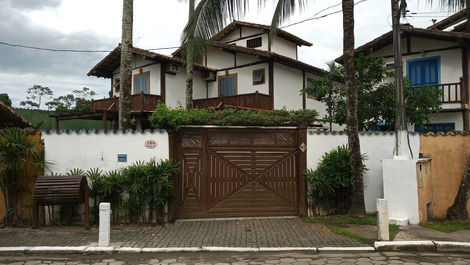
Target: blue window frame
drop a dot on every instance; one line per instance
(424, 71)
(228, 85)
(142, 83)
(436, 127)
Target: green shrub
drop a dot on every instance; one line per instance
(329, 186)
(167, 118)
(137, 193)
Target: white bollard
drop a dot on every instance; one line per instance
(104, 234)
(382, 220)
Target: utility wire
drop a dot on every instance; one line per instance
(71, 50)
(322, 16)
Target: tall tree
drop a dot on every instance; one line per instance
(35, 96)
(357, 199)
(5, 99)
(126, 65)
(189, 65)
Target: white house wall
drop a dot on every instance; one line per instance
(376, 147)
(175, 89)
(66, 151)
(217, 58)
(284, 47)
(287, 85)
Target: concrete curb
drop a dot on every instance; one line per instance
(452, 246)
(346, 249)
(440, 246)
(404, 245)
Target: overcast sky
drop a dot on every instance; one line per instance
(96, 25)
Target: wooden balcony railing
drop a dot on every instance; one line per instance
(253, 100)
(139, 102)
(450, 92)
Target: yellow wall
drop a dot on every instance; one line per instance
(449, 154)
(24, 196)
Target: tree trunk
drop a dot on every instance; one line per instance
(357, 198)
(126, 66)
(459, 209)
(6, 197)
(189, 66)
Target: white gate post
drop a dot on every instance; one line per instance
(382, 220)
(104, 233)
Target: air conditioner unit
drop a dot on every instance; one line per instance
(172, 68)
(208, 76)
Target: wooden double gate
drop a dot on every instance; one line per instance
(235, 172)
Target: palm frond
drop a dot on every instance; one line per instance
(209, 17)
(452, 5)
(284, 10)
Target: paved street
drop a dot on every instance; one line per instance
(286, 232)
(299, 258)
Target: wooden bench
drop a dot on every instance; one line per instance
(60, 190)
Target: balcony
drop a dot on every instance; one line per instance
(452, 95)
(139, 103)
(249, 101)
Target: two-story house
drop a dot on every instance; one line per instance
(437, 56)
(240, 69)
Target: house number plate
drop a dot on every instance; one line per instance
(150, 144)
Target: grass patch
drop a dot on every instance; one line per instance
(447, 226)
(342, 231)
(338, 224)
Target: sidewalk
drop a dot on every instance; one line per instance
(250, 233)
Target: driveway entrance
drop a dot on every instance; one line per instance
(233, 172)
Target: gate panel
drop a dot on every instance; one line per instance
(239, 172)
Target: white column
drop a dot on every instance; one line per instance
(382, 220)
(104, 233)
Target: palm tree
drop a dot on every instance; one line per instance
(210, 17)
(189, 66)
(357, 200)
(126, 66)
(19, 153)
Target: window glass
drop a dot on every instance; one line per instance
(258, 77)
(310, 84)
(142, 83)
(423, 71)
(254, 43)
(228, 85)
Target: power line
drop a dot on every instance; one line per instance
(71, 50)
(315, 17)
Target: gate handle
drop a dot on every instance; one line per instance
(303, 147)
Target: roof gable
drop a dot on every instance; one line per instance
(9, 118)
(280, 32)
(450, 21)
(387, 38)
(109, 63)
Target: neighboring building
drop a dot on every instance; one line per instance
(240, 69)
(437, 56)
(9, 118)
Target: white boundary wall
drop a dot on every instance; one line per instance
(99, 149)
(375, 145)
